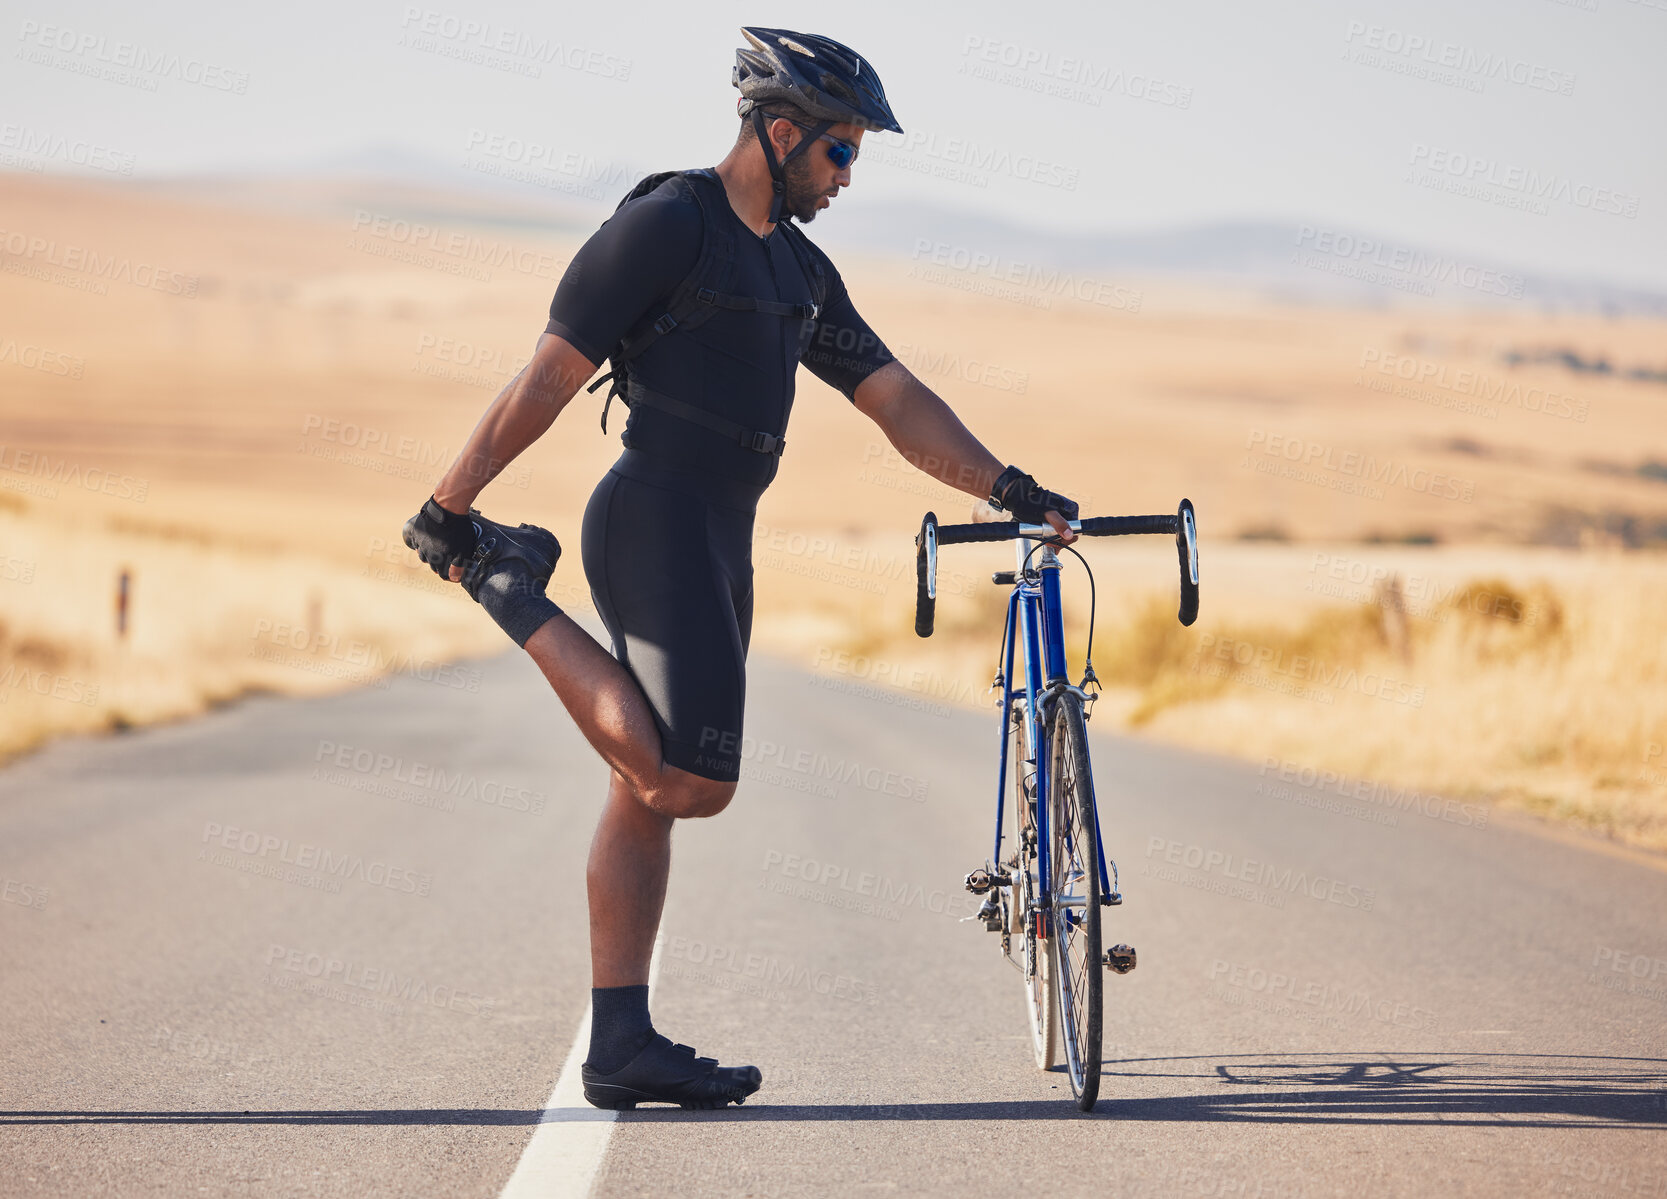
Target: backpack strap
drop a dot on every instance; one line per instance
(811, 264)
(751, 304)
(756, 440)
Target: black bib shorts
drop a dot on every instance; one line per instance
(668, 555)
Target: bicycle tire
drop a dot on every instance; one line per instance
(1074, 860)
(1035, 959)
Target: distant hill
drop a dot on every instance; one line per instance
(1300, 261)
(1296, 260)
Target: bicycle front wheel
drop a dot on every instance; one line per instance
(1074, 863)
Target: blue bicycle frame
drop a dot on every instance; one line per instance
(1034, 621)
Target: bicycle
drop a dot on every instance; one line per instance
(1048, 892)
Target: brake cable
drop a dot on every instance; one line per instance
(1088, 675)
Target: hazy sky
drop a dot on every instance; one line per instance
(1528, 132)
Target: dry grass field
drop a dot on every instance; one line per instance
(1432, 539)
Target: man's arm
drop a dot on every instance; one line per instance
(926, 431)
(518, 417)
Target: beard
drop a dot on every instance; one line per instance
(799, 199)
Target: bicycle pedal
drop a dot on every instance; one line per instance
(1111, 899)
(1121, 958)
(981, 880)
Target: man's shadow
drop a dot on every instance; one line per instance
(1496, 1089)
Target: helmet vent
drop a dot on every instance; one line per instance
(796, 47)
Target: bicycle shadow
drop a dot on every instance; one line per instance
(1377, 1088)
(1508, 1089)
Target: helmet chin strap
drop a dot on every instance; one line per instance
(778, 181)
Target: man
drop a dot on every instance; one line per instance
(706, 299)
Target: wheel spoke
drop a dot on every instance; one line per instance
(1076, 902)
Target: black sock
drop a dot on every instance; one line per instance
(619, 1026)
(520, 609)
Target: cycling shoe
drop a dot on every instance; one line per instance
(667, 1073)
(525, 550)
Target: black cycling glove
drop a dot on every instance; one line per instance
(1018, 493)
(442, 539)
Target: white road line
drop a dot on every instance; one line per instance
(567, 1147)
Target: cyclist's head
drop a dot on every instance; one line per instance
(820, 168)
(826, 93)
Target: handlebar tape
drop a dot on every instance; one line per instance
(1095, 526)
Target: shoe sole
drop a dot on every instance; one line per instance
(625, 1099)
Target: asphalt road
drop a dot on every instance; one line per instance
(337, 947)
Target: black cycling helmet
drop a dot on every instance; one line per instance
(830, 81)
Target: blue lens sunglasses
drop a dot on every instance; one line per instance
(841, 153)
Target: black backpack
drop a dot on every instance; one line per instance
(696, 299)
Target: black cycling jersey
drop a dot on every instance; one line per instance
(667, 536)
(738, 365)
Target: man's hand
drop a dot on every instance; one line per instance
(1061, 526)
(1032, 504)
(443, 539)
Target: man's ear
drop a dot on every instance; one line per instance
(781, 133)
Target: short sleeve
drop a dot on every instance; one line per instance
(843, 350)
(630, 265)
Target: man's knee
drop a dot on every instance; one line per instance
(686, 796)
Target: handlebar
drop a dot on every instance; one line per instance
(1183, 526)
